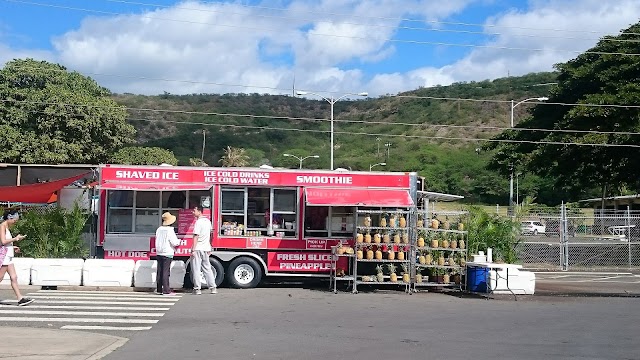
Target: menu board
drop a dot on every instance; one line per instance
(186, 220)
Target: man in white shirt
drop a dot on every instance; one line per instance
(200, 252)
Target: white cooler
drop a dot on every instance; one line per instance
(23, 270)
(56, 272)
(107, 272)
(144, 274)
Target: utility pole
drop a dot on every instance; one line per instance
(388, 146)
(204, 139)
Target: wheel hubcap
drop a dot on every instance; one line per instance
(244, 274)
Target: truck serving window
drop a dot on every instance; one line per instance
(329, 221)
(139, 212)
(258, 212)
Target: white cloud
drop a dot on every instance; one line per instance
(204, 44)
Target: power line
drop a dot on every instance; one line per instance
(417, 42)
(395, 135)
(276, 117)
(469, 32)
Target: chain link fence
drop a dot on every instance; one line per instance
(572, 239)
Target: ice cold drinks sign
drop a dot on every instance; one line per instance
(236, 177)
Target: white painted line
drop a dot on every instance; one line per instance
(80, 313)
(110, 328)
(556, 277)
(135, 308)
(77, 320)
(95, 293)
(606, 278)
(156, 298)
(13, 302)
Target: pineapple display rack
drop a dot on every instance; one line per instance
(383, 246)
(339, 274)
(439, 251)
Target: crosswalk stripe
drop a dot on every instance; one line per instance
(94, 292)
(78, 320)
(80, 313)
(104, 293)
(136, 308)
(40, 301)
(155, 298)
(110, 328)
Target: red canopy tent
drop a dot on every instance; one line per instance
(42, 193)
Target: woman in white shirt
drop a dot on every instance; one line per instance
(166, 242)
(7, 252)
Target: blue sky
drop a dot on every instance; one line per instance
(379, 46)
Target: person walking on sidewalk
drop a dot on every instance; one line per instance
(7, 252)
(166, 243)
(200, 252)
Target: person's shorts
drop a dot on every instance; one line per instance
(8, 260)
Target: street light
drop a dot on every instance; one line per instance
(374, 165)
(331, 101)
(301, 159)
(513, 106)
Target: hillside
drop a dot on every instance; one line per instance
(425, 135)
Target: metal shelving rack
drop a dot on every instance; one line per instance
(454, 257)
(405, 239)
(335, 257)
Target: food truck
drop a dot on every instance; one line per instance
(266, 222)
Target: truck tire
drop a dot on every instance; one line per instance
(218, 273)
(244, 273)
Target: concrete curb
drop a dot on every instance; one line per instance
(108, 349)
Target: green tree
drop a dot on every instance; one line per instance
(50, 115)
(234, 157)
(600, 76)
(139, 155)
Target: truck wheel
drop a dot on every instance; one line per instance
(244, 273)
(218, 274)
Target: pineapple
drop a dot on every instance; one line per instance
(369, 253)
(376, 238)
(392, 273)
(359, 237)
(396, 238)
(403, 221)
(367, 220)
(444, 244)
(340, 249)
(460, 226)
(378, 254)
(420, 241)
(367, 238)
(379, 274)
(434, 243)
(383, 221)
(446, 279)
(391, 255)
(400, 255)
(446, 224)
(435, 223)
(405, 237)
(392, 221)
(418, 277)
(441, 260)
(420, 222)
(428, 259)
(366, 278)
(422, 259)
(386, 239)
(406, 276)
(454, 244)
(359, 254)
(461, 244)
(349, 250)
(463, 261)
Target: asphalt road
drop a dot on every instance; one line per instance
(290, 322)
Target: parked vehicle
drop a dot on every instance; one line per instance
(553, 227)
(532, 228)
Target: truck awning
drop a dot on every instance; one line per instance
(135, 185)
(358, 197)
(41, 193)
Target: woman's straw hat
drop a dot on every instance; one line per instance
(168, 219)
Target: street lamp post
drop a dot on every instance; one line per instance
(513, 106)
(374, 165)
(301, 159)
(332, 102)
